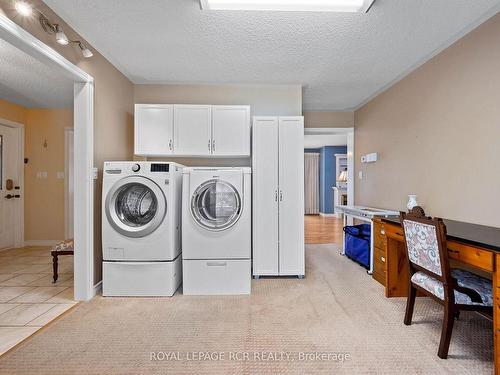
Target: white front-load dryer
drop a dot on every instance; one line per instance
(216, 230)
(141, 213)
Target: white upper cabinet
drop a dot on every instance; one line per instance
(154, 129)
(230, 130)
(193, 130)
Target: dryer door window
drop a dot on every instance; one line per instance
(135, 206)
(216, 205)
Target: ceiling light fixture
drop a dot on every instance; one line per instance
(61, 38)
(353, 6)
(85, 51)
(23, 8)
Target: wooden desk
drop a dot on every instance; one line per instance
(464, 246)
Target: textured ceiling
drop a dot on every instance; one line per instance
(26, 81)
(341, 59)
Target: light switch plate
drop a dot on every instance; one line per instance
(95, 173)
(360, 175)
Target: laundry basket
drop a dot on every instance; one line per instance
(357, 243)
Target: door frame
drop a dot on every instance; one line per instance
(19, 233)
(69, 133)
(350, 154)
(83, 150)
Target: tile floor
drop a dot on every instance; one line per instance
(28, 298)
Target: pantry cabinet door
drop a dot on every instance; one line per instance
(230, 130)
(192, 130)
(291, 195)
(265, 196)
(153, 129)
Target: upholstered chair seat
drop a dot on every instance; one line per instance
(464, 279)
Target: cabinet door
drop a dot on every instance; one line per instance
(291, 195)
(265, 195)
(192, 130)
(153, 129)
(231, 130)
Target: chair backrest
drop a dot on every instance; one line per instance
(425, 240)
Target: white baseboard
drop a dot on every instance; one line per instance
(327, 215)
(41, 242)
(97, 288)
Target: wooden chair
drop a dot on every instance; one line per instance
(430, 274)
(65, 247)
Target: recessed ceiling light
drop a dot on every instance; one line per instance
(353, 6)
(23, 8)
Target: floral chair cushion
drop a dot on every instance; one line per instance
(422, 244)
(464, 279)
(65, 245)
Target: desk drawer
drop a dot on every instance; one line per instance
(379, 239)
(394, 231)
(473, 256)
(379, 260)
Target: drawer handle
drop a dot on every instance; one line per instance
(382, 259)
(216, 264)
(454, 251)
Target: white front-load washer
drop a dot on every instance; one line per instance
(141, 218)
(216, 230)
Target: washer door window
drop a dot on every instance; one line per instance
(216, 205)
(135, 206)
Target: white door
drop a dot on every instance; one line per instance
(10, 191)
(291, 195)
(154, 129)
(265, 196)
(231, 130)
(192, 130)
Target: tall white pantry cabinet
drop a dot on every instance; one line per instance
(278, 196)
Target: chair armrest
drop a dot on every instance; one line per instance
(473, 295)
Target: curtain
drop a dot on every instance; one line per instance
(311, 183)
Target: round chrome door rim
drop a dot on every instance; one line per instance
(120, 226)
(202, 221)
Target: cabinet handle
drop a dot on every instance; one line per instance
(276, 195)
(170, 145)
(281, 195)
(382, 232)
(209, 145)
(213, 145)
(382, 259)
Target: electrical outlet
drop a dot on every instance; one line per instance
(360, 175)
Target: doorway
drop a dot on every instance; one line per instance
(328, 182)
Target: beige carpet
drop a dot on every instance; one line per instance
(338, 308)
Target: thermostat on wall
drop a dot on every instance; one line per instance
(369, 158)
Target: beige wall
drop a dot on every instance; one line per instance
(437, 133)
(113, 105)
(43, 198)
(265, 100)
(325, 119)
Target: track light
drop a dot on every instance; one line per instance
(85, 51)
(61, 38)
(23, 8)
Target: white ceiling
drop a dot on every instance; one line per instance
(342, 60)
(316, 141)
(26, 81)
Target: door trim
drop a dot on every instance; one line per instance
(19, 233)
(83, 149)
(68, 134)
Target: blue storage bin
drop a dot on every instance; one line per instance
(357, 243)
